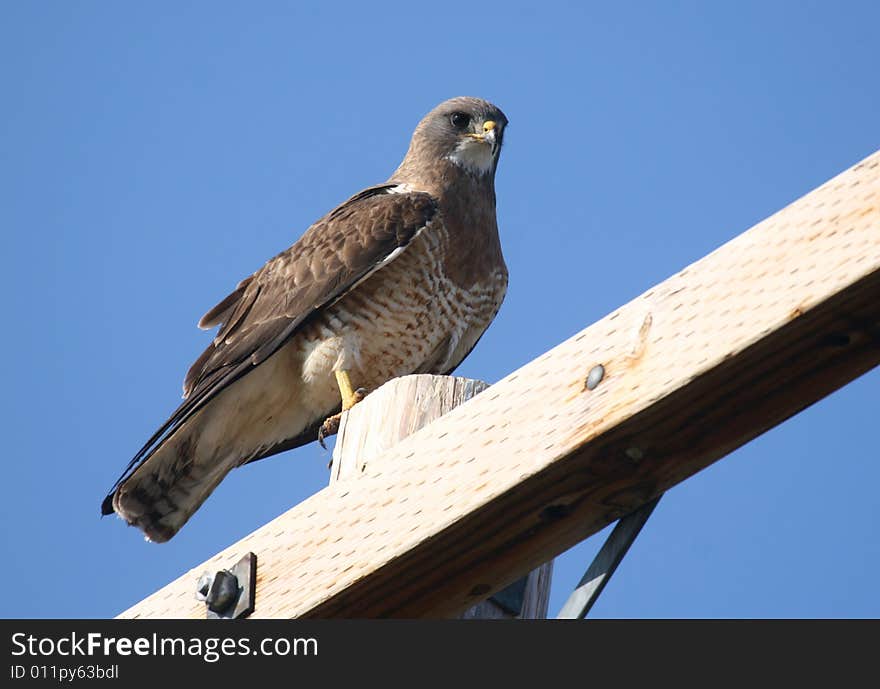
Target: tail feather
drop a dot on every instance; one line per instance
(258, 415)
(168, 488)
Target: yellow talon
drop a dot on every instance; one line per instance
(349, 397)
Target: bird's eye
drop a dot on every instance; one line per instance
(460, 120)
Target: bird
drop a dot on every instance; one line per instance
(404, 277)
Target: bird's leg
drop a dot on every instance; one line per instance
(350, 397)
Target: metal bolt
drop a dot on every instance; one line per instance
(223, 591)
(204, 585)
(597, 373)
(229, 593)
(635, 453)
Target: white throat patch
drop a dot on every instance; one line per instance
(473, 156)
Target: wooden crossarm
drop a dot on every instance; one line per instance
(734, 344)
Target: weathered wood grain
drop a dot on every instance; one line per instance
(395, 411)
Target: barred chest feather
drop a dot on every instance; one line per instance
(409, 317)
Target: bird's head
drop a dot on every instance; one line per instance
(464, 131)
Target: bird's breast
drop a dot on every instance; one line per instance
(407, 317)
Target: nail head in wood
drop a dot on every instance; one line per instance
(597, 373)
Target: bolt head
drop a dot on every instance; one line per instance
(597, 373)
(224, 591)
(636, 454)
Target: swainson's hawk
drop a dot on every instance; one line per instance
(404, 277)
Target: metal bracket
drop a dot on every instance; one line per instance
(230, 593)
(605, 563)
(512, 597)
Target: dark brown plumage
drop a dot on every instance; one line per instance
(403, 277)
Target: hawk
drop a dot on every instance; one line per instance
(403, 277)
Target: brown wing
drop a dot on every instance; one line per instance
(267, 308)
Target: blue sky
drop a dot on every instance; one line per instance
(151, 155)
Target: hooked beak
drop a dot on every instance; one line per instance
(489, 135)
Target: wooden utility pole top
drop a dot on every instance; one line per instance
(698, 365)
(397, 410)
